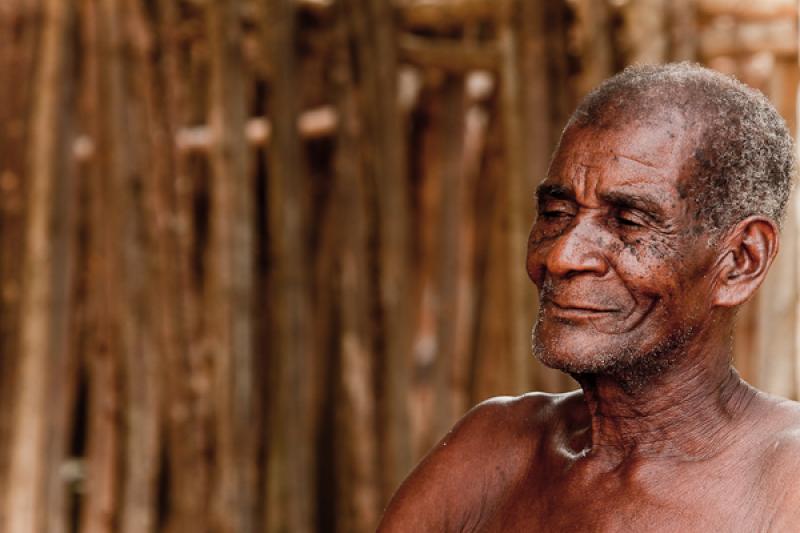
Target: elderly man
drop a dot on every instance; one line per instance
(657, 219)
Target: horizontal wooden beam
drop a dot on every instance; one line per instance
(448, 54)
(439, 14)
(315, 4)
(749, 9)
(778, 37)
(312, 124)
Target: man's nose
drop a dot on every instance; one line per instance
(579, 250)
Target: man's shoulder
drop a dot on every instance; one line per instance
(783, 418)
(506, 421)
(503, 424)
(489, 448)
(781, 466)
(775, 442)
(783, 438)
(521, 413)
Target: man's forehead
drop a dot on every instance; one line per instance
(630, 154)
(610, 169)
(585, 161)
(653, 145)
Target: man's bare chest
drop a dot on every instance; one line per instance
(608, 516)
(680, 502)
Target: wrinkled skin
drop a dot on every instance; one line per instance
(637, 303)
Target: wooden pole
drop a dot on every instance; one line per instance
(42, 309)
(290, 460)
(153, 291)
(476, 123)
(229, 304)
(518, 197)
(449, 235)
(104, 105)
(356, 434)
(797, 220)
(778, 296)
(682, 30)
(18, 37)
(188, 398)
(373, 33)
(591, 43)
(644, 35)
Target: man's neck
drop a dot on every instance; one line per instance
(687, 413)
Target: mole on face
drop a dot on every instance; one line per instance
(657, 249)
(632, 249)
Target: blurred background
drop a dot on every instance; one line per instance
(257, 256)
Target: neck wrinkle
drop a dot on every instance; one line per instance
(686, 414)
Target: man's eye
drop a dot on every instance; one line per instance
(553, 214)
(629, 221)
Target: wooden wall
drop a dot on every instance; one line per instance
(258, 255)
(758, 44)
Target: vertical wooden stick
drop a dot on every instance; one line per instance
(290, 464)
(356, 435)
(372, 27)
(644, 33)
(518, 196)
(105, 107)
(796, 130)
(464, 321)
(19, 32)
(188, 398)
(229, 305)
(592, 43)
(151, 288)
(778, 296)
(41, 316)
(450, 239)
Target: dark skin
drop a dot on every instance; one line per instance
(637, 303)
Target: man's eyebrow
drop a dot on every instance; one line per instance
(554, 190)
(644, 203)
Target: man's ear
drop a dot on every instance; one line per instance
(748, 250)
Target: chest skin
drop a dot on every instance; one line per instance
(566, 491)
(529, 464)
(603, 507)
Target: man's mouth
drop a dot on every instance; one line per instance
(577, 310)
(582, 306)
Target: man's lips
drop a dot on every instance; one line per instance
(580, 307)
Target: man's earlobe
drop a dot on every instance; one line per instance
(748, 251)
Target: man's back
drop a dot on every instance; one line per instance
(526, 464)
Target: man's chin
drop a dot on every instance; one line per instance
(578, 363)
(598, 354)
(575, 353)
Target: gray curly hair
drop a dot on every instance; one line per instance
(744, 159)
